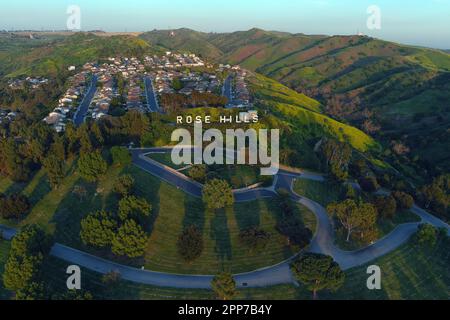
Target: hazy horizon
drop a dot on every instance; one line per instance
(419, 22)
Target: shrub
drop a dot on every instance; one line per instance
(217, 194)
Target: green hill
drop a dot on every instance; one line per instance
(50, 57)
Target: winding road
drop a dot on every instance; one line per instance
(323, 241)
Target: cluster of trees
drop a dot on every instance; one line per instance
(356, 217)
(174, 102)
(224, 286)
(23, 269)
(289, 225)
(14, 206)
(123, 232)
(436, 196)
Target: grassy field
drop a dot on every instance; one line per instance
(61, 211)
(165, 159)
(407, 273)
(323, 193)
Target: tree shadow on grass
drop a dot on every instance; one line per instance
(247, 214)
(42, 188)
(221, 234)
(71, 210)
(194, 213)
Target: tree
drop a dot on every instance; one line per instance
(190, 243)
(28, 249)
(369, 184)
(386, 206)
(15, 206)
(254, 238)
(289, 224)
(124, 185)
(120, 156)
(318, 272)
(55, 170)
(98, 229)
(132, 207)
(198, 172)
(130, 240)
(426, 235)
(404, 200)
(92, 166)
(354, 217)
(336, 156)
(217, 194)
(224, 286)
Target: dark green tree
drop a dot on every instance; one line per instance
(318, 272)
(130, 240)
(92, 166)
(190, 243)
(98, 229)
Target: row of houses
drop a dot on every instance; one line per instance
(68, 103)
(34, 83)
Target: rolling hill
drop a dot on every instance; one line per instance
(51, 55)
(399, 94)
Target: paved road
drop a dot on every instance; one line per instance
(323, 241)
(227, 90)
(152, 101)
(80, 115)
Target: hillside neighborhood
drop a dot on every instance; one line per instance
(120, 83)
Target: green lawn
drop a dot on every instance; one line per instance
(239, 176)
(407, 273)
(61, 212)
(323, 193)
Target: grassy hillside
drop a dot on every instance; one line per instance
(396, 93)
(48, 58)
(304, 113)
(184, 40)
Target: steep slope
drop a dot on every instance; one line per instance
(304, 113)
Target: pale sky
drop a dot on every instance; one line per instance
(418, 22)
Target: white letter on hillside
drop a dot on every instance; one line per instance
(374, 281)
(74, 280)
(274, 159)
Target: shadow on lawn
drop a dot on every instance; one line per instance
(221, 234)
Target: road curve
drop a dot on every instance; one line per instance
(323, 241)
